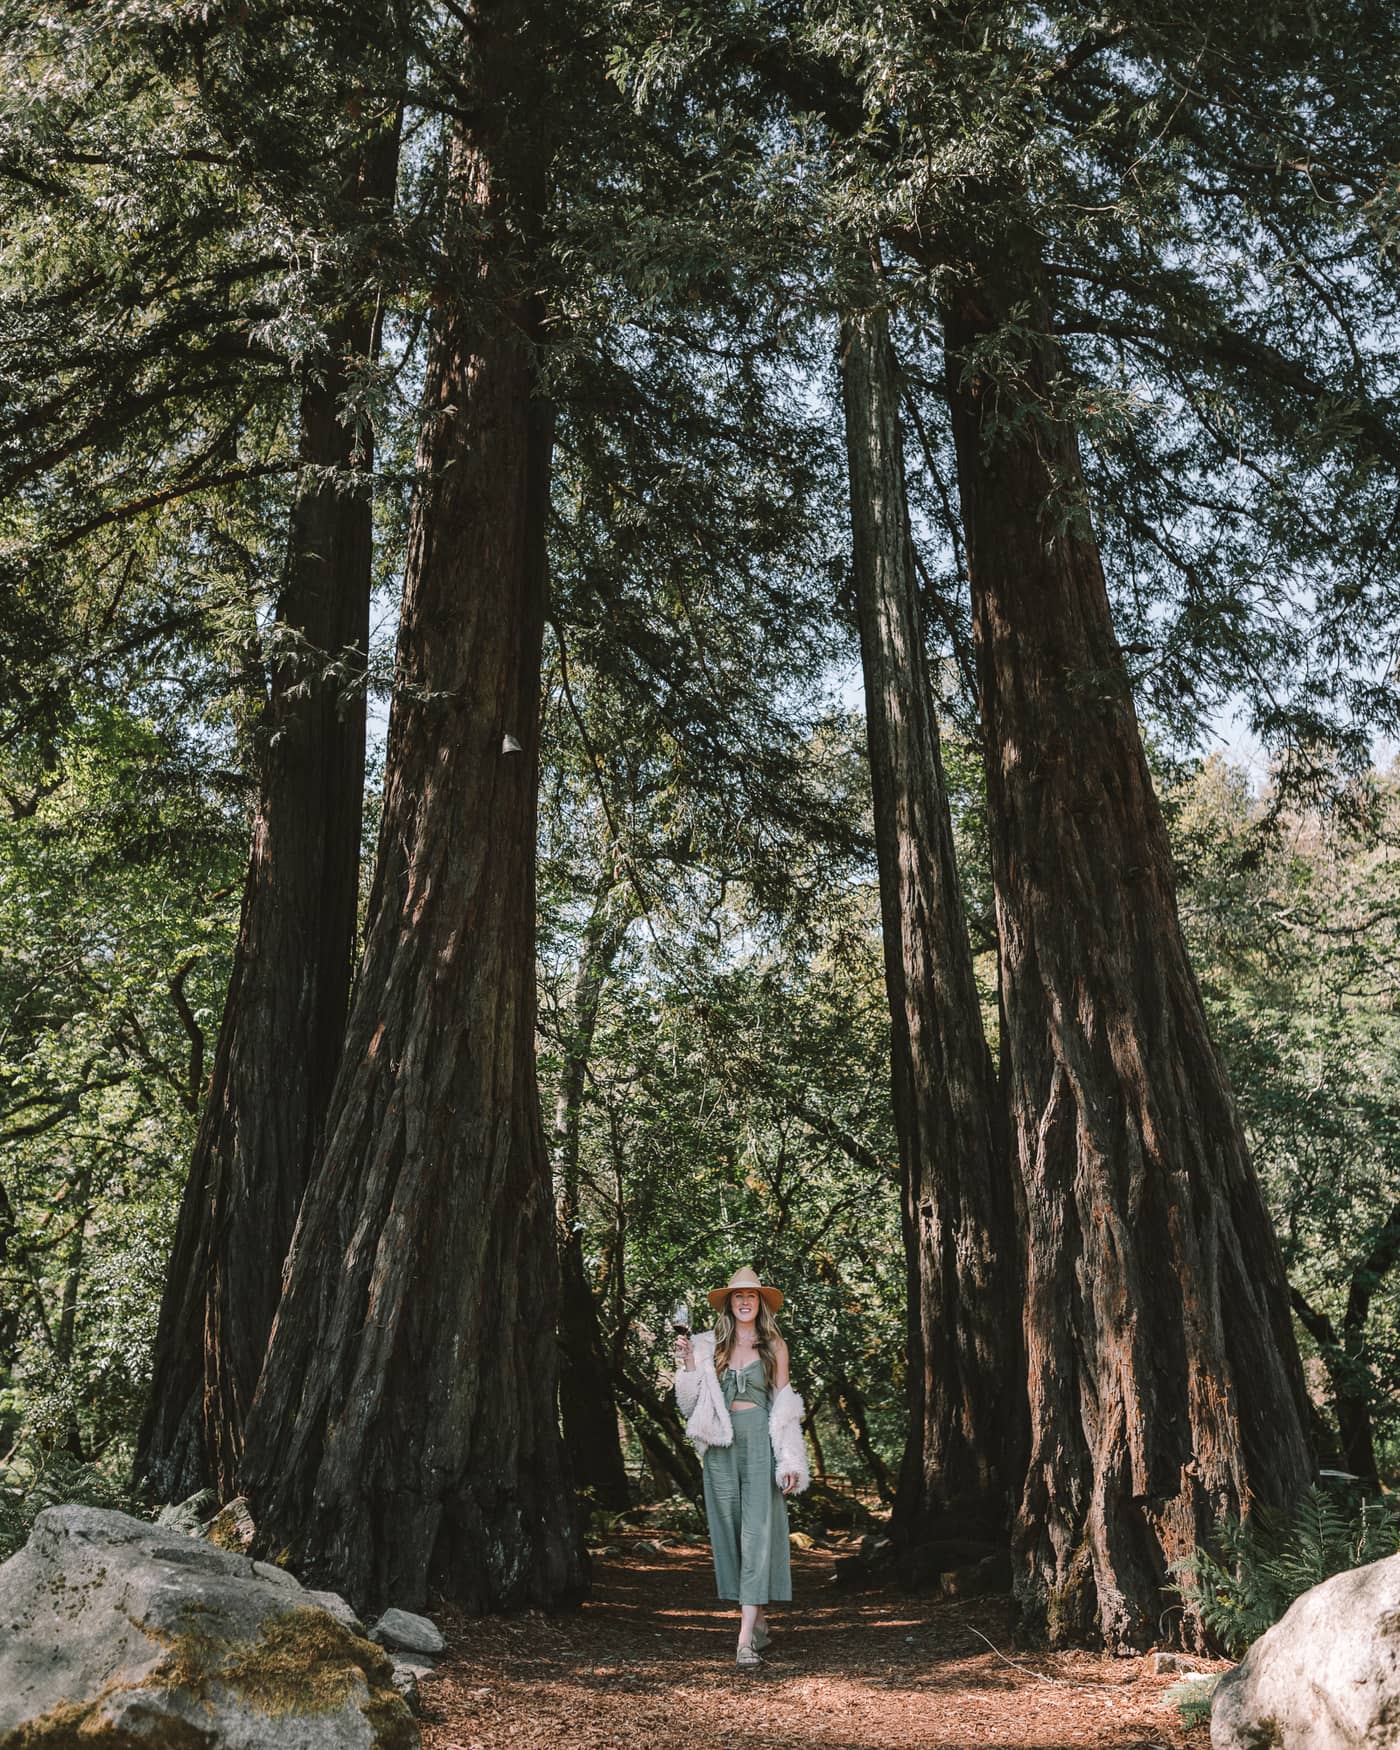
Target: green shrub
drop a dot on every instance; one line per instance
(1269, 1559)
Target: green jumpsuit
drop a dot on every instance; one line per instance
(743, 1503)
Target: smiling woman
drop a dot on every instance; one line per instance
(724, 1379)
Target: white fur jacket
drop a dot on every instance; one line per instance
(707, 1418)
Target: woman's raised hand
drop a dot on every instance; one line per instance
(684, 1355)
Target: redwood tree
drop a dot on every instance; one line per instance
(284, 1015)
(405, 1432)
(1165, 1384)
(965, 1358)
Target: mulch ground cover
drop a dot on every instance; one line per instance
(649, 1662)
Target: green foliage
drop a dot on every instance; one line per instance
(672, 1513)
(1268, 1559)
(1192, 1698)
(33, 1477)
(735, 1106)
(119, 863)
(1291, 915)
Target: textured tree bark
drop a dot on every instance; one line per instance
(1164, 1379)
(587, 1405)
(960, 1236)
(284, 1014)
(405, 1432)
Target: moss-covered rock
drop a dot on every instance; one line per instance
(232, 1527)
(112, 1637)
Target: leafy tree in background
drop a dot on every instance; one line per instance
(118, 857)
(179, 349)
(137, 420)
(1290, 912)
(686, 660)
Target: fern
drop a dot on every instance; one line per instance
(32, 1479)
(1266, 1561)
(1192, 1697)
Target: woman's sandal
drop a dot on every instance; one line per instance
(746, 1659)
(761, 1638)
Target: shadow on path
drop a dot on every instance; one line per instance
(649, 1662)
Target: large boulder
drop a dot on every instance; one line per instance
(118, 1633)
(1326, 1676)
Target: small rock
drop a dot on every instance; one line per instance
(1177, 1665)
(978, 1579)
(232, 1527)
(404, 1631)
(405, 1680)
(419, 1664)
(850, 1573)
(923, 1566)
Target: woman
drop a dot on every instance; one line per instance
(725, 1380)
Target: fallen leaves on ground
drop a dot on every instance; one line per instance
(649, 1663)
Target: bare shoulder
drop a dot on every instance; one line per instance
(780, 1346)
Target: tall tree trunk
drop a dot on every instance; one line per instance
(1165, 1381)
(959, 1215)
(405, 1433)
(587, 1406)
(284, 1015)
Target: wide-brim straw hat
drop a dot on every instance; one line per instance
(772, 1298)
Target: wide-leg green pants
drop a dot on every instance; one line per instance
(747, 1515)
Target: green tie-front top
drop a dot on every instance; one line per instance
(750, 1383)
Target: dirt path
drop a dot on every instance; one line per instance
(648, 1662)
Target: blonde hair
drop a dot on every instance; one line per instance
(766, 1334)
